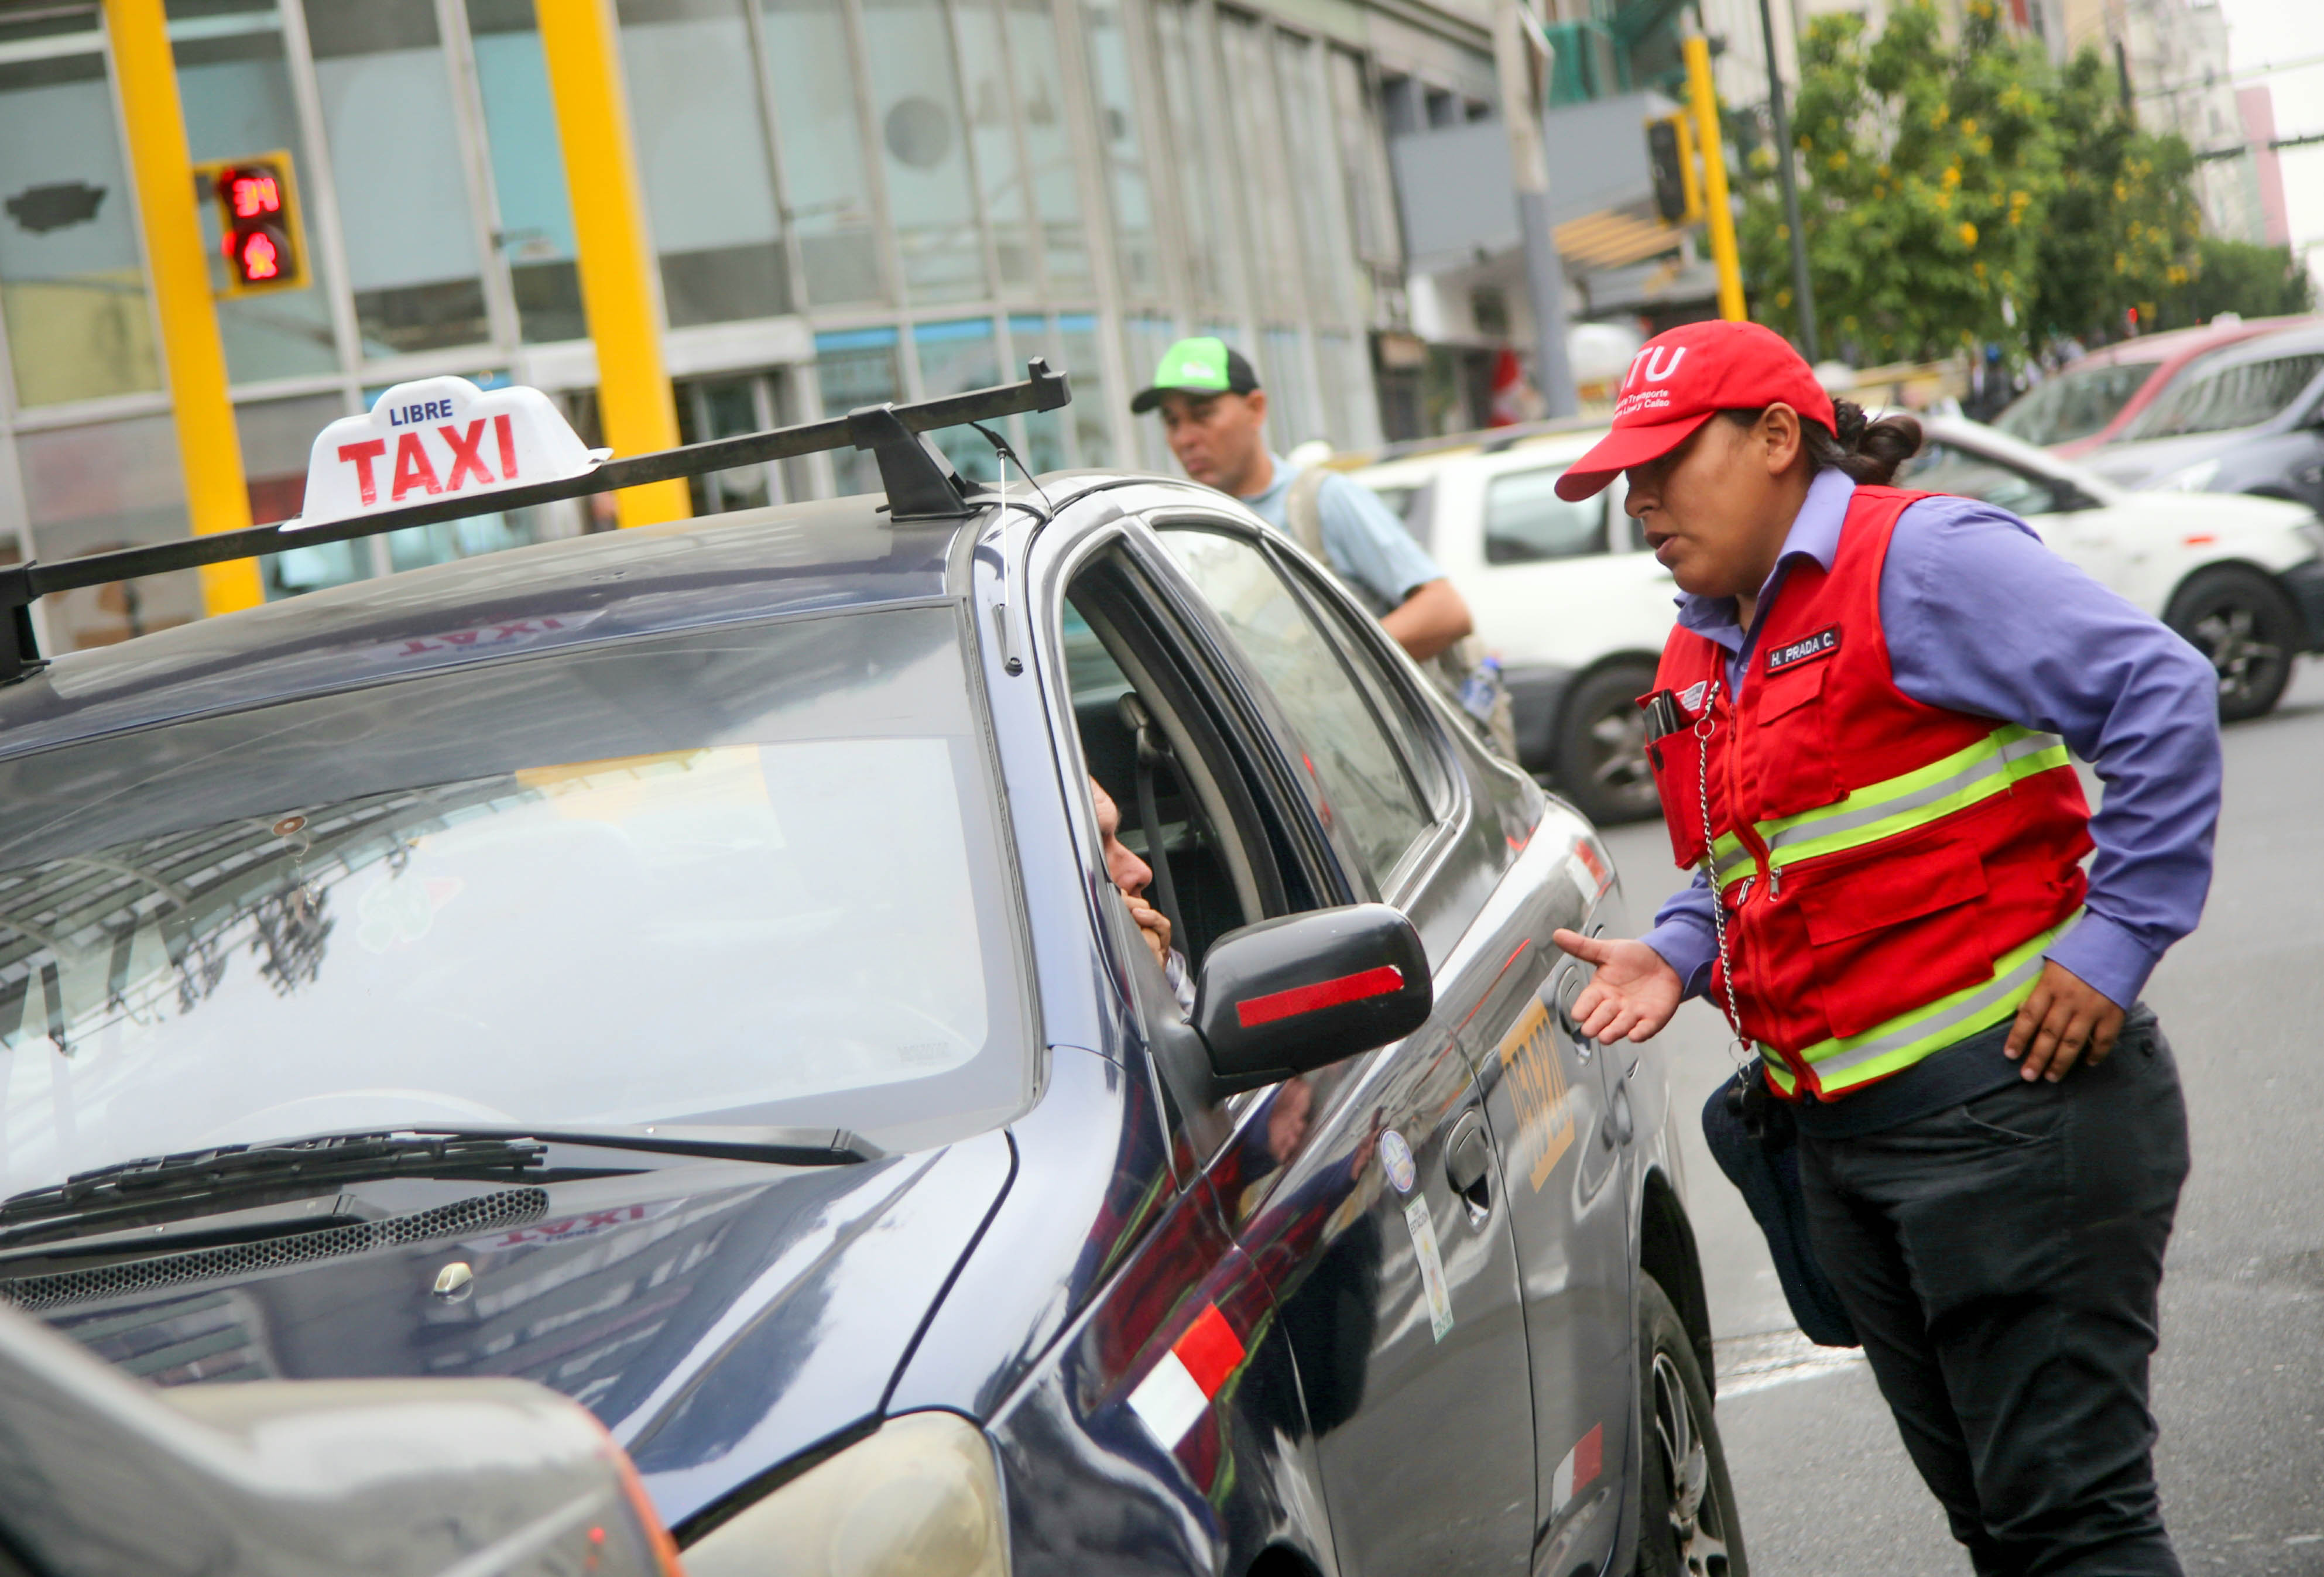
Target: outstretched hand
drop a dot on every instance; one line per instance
(1633, 994)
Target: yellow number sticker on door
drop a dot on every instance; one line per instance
(1537, 1082)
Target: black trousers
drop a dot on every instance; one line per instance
(2001, 1260)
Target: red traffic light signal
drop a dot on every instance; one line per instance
(258, 215)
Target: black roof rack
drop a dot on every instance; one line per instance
(921, 484)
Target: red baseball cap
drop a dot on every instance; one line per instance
(1680, 380)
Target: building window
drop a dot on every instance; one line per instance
(1314, 167)
(819, 114)
(1080, 434)
(1144, 338)
(727, 406)
(72, 287)
(234, 85)
(1292, 417)
(405, 210)
(1264, 190)
(1040, 98)
(97, 487)
(1211, 240)
(1000, 163)
(1136, 251)
(856, 367)
(277, 437)
(932, 197)
(536, 221)
(956, 357)
(703, 160)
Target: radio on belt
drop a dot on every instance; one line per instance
(436, 437)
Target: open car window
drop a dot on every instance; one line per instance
(1358, 776)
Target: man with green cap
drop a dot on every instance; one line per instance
(1214, 414)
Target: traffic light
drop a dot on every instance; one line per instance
(1670, 157)
(258, 217)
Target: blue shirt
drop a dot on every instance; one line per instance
(1363, 542)
(1981, 617)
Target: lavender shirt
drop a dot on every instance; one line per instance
(1981, 617)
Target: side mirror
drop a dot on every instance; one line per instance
(1285, 997)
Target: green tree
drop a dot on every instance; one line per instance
(1923, 165)
(2121, 227)
(2234, 276)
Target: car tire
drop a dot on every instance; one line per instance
(1688, 1526)
(1601, 753)
(2249, 628)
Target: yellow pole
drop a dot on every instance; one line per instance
(593, 122)
(209, 448)
(1722, 215)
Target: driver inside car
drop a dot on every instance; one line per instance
(1130, 875)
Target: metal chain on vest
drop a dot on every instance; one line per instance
(1704, 729)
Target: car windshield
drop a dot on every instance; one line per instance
(748, 877)
(2074, 404)
(2243, 395)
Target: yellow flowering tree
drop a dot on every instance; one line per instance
(2121, 230)
(1924, 165)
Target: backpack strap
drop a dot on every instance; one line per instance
(1303, 514)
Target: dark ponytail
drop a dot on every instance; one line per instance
(1867, 450)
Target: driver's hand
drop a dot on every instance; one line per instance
(1152, 925)
(1633, 994)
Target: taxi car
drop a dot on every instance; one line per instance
(679, 967)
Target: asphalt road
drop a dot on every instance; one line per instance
(1825, 1488)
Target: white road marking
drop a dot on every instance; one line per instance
(1775, 1358)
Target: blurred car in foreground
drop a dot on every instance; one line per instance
(2239, 577)
(100, 1476)
(2249, 418)
(2089, 402)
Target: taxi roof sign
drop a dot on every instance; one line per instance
(439, 438)
(473, 475)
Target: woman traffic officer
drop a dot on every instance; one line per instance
(1860, 729)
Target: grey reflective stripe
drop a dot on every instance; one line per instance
(2002, 986)
(1842, 821)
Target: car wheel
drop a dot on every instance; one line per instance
(2249, 628)
(1688, 1528)
(1602, 746)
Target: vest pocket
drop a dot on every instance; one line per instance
(1893, 929)
(1676, 762)
(1792, 756)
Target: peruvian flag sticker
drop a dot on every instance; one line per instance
(1578, 1470)
(1171, 1399)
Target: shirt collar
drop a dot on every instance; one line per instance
(1814, 534)
(1281, 475)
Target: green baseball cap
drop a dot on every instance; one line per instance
(1203, 364)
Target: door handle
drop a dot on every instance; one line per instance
(1559, 996)
(1618, 1126)
(1469, 1165)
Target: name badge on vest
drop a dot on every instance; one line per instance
(1807, 648)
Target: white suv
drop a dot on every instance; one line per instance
(1577, 610)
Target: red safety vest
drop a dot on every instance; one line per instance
(1891, 871)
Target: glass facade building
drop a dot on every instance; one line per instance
(848, 200)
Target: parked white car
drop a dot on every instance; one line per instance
(1576, 608)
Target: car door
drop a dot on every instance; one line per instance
(1367, 1193)
(1560, 1118)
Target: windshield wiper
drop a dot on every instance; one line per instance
(231, 1174)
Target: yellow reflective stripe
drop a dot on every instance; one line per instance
(1844, 1061)
(1730, 858)
(1901, 804)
